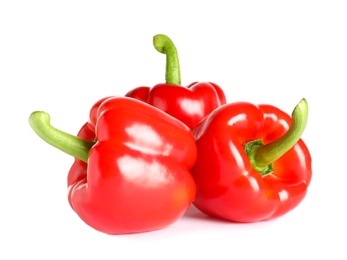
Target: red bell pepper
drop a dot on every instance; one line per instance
(188, 104)
(131, 172)
(252, 164)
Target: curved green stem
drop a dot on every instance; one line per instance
(72, 145)
(262, 156)
(163, 44)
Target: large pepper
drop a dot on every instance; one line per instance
(252, 163)
(131, 172)
(189, 104)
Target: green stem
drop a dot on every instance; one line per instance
(72, 145)
(163, 44)
(262, 156)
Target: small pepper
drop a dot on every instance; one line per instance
(131, 172)
(188, 104)
(252, 164)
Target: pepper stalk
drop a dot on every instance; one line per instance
(72, 145)
(262, 156)
(164, 45)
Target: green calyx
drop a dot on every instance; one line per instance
(262, 156)
(164, 45)
(250, 149)
(72, 145)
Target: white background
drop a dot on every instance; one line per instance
(62, 56)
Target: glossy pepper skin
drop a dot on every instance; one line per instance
(135, 177)
(250, 165)
(189, 104)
